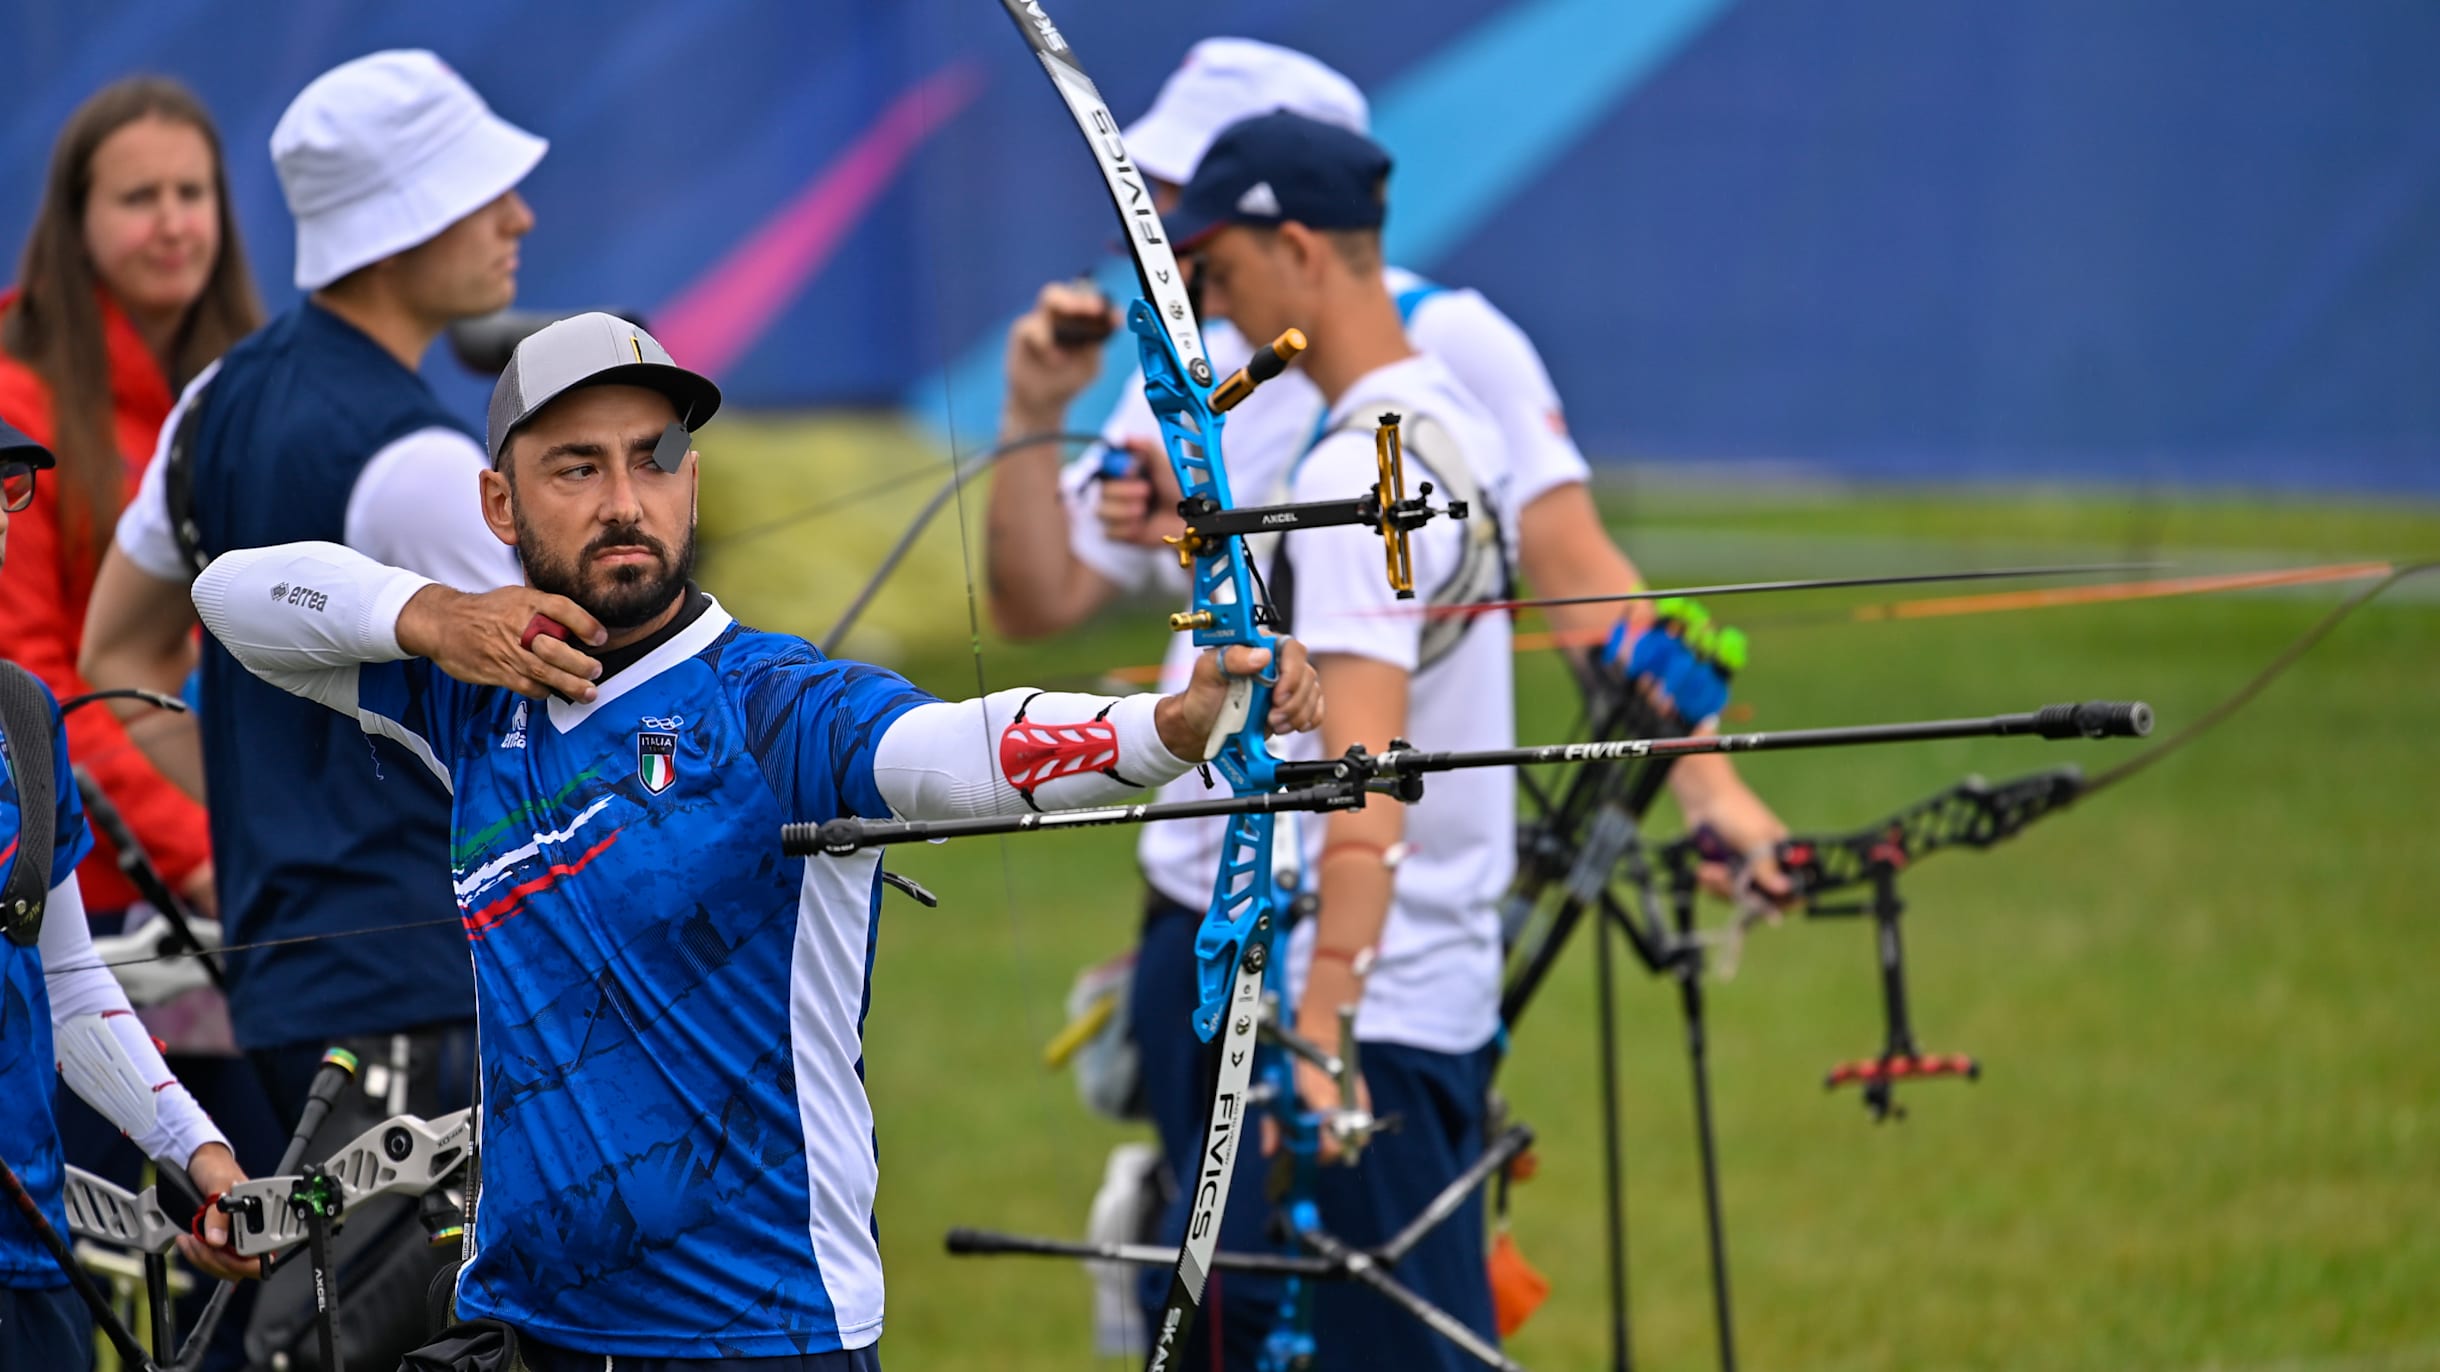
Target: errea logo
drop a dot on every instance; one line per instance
(1043, 25)
(305, 596)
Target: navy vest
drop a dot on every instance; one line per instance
(317, 827)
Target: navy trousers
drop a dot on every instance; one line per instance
(1440, 1099)
(44, 1330)
(539, 1357)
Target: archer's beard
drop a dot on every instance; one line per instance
(621, 597)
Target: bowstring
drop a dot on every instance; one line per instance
(1020, 944)
(913, 533)
(221, 950)
(2244, 695)
(826, 508)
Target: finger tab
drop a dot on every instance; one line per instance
(539, 626)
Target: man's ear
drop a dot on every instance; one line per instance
(499, 506)
(1302, 246)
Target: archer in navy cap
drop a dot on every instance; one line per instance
(20, 458)
(1281, 167)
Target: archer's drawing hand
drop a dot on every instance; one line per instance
(1745, 826)
(215, 1171)
(1681, 663)
(1185, 720)
(1044, 374)
(1139, 507)
(1738, 837)
(1318, 1092)
(479, 639)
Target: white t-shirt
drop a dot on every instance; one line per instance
(1437, 980)
(416, 504)
(1489, 355)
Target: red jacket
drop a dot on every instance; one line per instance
(42, 614)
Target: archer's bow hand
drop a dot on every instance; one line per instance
(214, 1170)
(516, 637)
(1185, 720)
(1054, 352)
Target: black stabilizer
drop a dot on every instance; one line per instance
(837, 838)
(2096, 719)
(337, 1070)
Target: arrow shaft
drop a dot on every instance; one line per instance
(2057, 721)
(1763, 587)
(1939, 607)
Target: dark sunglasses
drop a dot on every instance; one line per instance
(17, 484)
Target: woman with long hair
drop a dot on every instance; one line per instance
(133, 281)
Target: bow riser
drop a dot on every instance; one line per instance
(1223, 609)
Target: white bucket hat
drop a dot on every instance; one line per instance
(385, 152)
(1224, 80)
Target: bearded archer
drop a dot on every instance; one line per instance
(679, 1158)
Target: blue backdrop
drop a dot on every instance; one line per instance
(2113, 239)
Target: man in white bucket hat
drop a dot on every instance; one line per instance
(403, 185)
(389, 153)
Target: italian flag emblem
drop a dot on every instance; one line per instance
(656, 760)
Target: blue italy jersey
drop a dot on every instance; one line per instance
(29, 1137)
(678, 1156)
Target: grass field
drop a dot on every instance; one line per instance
(2208, 1133)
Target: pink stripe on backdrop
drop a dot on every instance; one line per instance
(718, 316)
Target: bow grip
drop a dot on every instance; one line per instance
(1233, 713)
(2095, 719)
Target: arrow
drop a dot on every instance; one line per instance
(1761, 587)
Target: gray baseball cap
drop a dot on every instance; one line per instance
(593, 350)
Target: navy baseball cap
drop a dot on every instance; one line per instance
(16, 447)
(1278, 167)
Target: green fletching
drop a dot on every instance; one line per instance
(1728, 649)
(1688, 613)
